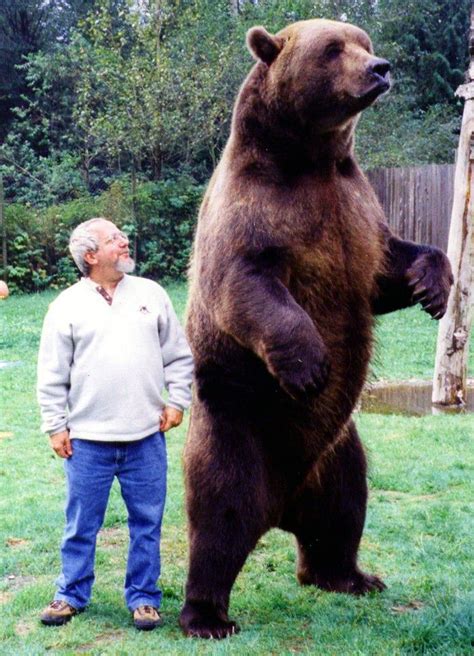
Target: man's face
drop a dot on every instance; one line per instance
(113, 254)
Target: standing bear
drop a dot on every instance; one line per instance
(292, 259)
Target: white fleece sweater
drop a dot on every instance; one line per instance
(102, 368)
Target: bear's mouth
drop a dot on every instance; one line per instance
(377, 77)
(379, 87)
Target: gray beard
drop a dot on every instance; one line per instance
(127, 266)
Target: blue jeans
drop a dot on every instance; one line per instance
(141, 471)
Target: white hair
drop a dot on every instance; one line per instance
(82, 241)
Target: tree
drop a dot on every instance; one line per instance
(146, 87)
(425, 40)
(28, 27)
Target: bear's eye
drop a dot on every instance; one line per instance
(333, 50)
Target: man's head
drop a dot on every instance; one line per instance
(98, 246)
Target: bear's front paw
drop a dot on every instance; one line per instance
(430, 279)
(301, 372)
(206, 623)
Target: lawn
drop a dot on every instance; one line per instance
(418, 534)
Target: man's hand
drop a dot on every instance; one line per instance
(61, 444)
(170, 417)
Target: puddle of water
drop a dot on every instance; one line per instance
(412, 399)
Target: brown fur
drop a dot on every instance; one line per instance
(292, 258)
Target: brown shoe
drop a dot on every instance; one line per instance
(58, 612)
(146, 618)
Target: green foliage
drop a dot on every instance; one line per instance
(124, 107)
(427, 42)
(389, 134)
(165, 216)
(147, 89)
(39, 181)
(159, 216)
(37, 244)
(30, 27)
(28, 266)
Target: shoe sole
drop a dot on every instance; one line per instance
(55, 621)
(147, 626)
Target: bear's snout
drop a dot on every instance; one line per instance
(379, 70)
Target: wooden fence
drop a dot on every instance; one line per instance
(417, 201)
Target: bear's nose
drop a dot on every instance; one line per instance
(379, 67)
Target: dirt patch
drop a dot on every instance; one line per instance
(100, 639)
(24, 628)
(15, 583)
(113, 536)
(5, 435)
(174, 539)
(397, 495)
(5, 597)
(406, 608)
(16, 542)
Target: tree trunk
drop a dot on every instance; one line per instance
(134, 212)
(158, 28)
(3, 229)
(450, 376)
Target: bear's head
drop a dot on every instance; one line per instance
(318, 72)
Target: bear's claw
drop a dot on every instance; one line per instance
(358, 583)
(430, 280)
(209, 629)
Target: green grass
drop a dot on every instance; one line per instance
(418, 534)
(406, 346)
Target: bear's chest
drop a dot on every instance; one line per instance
(336, 242)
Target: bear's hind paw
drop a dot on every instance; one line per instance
(358, 583)
(208, 628)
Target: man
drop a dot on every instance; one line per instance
(110, 344)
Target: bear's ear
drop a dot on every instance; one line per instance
(262, 45)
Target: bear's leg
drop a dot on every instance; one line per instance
(226, 518)
(328, 518)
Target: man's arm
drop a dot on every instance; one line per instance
(177, 366)
(54, 366)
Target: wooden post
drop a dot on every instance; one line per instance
(450, 376)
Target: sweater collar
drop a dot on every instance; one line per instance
(100, 290)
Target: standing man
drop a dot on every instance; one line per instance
(110, 344)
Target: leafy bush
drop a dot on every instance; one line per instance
(28, 266)
(159, 217)
(390, 135)
(165, 219)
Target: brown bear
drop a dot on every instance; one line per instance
(292, 259)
